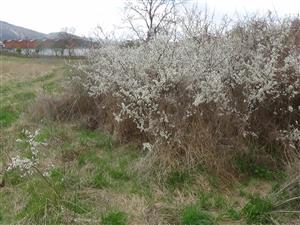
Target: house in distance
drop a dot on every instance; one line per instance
(48, 47)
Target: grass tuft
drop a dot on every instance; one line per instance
(99, 181)
(257, 210)
(192, 215)
(7, 116)
(178, 179)
(114, 218)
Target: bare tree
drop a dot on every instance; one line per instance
(147, 18)
(68, 39)
(65, 40)
(39, 47)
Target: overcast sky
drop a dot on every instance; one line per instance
(84, 15)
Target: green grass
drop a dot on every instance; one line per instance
(43, 203)
(7, 116)
(100, 139)
(247, 164)
(232, 214)
(13, 177)
(114, 218)
(99, 181)
(76, 206)
(5, 89)
(24, 96)
(51, 87)
(44, 78)
(15, 86)
(192, 215)
(257, 210)
(1, 218)
(94, 179)
(178, 179)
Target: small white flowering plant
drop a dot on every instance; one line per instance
(27, 158)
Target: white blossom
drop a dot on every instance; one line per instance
(26, 164)
(147, 147)
(232, 72)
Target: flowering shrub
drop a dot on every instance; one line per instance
(27, 165)
(208, 90)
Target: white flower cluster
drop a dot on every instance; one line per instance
(165, 81)
(26, 164)
(291, 137)
(147, 146)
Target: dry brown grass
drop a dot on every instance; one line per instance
(207, 138)
(135, 206)
(22, 69)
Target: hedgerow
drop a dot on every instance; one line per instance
(201, 93)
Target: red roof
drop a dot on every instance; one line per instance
(20, 43)
(46, 43)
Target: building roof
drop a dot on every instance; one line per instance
(45, 43)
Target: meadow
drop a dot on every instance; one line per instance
(85, 176)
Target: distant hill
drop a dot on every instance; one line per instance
(11, 32)
(59, 35)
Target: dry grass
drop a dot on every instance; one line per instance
(206, 138)
(133, 205)
(22, 69)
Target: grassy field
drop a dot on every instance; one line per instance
(92, 180)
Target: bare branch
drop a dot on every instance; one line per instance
(154, 16)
